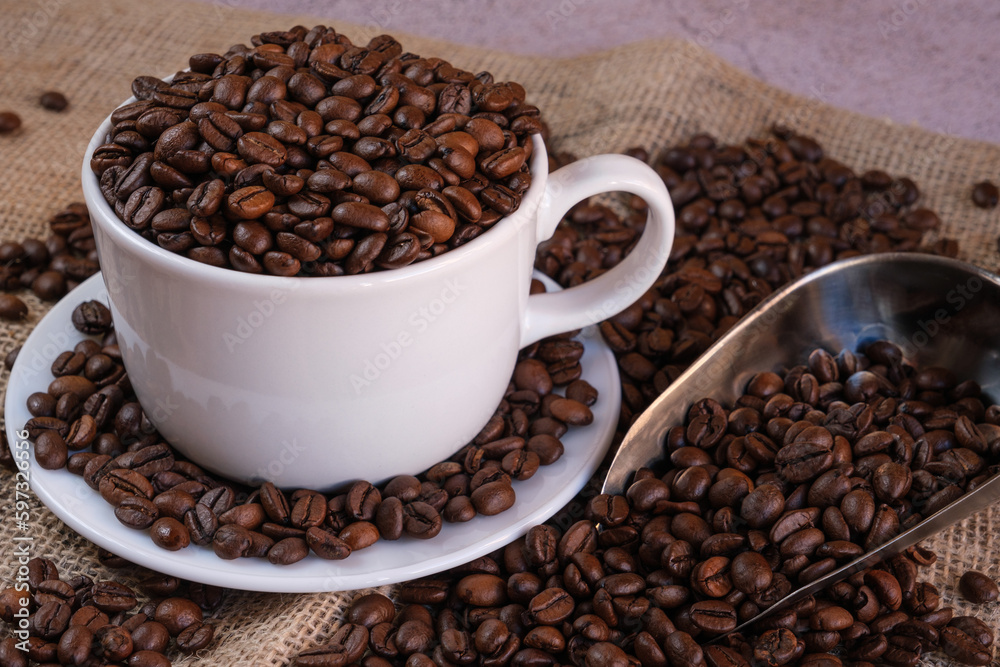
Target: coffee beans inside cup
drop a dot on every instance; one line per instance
(304, 154)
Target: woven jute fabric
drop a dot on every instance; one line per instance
(651, 94)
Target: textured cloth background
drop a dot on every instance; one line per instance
(651, 94)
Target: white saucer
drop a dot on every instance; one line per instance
(83, 509)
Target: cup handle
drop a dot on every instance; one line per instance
(613, 291)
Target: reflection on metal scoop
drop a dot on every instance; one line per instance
(940, 311)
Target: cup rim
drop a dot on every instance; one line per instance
(104, 216)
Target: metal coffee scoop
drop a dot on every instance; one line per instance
(940, 312)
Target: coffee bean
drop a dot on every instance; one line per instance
(978, 588)
(148, 659)
(359, 535)
(12, 308)
(551, 606)
(112, 597)
(260, 148)
(370, 610)
(115, 642)
(49, 285)
(964, 648)
(421, 520)
(150, 636)
(75, 645)
(274, 503)
(9, 121)
(493, 498)
(325, 545)
(9, 360)
(985, 194)
(287, 551)
(975, 628)
(231, 541)
(50, 450)
(713, 616)
(751, 574)
(250, 202)
(51, 619)
(92, 317)
(195, 637)
(176, 614)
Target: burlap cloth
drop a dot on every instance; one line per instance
(651, 94)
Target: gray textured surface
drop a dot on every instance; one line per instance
(935, 64)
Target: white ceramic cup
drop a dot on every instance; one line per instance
(312, 382)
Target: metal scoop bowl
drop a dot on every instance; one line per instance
(939, 311)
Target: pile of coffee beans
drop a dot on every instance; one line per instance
(807, 471)
(750, 218)
(49, 267)
(607, 585)
(305, 154)
(75, 620)
(552, 600)
(90, 422)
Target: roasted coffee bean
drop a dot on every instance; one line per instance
(260, 148)
(120, 483)
(713, 616)
(309, 511)
(39, 570)
(51, 619)
(250, 202)
(137, 512)
(359, 535)
(148, 659)
(10, 358)
(112, 597)
(115, 642)
(751, 574)
(50, 450)
(275, 503)
(421, 520)
(195, 637)
(985, 194)
(92, 317)
(231, 541)
(551, 606)
(963, 648)
(682, 649)
(978, 588)
(12, 308)
(325, 544)
(9, 121)
(75, 645)
(176, 614)
(370, 610)
(287, 551)
(493, 498)
(150, 636)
